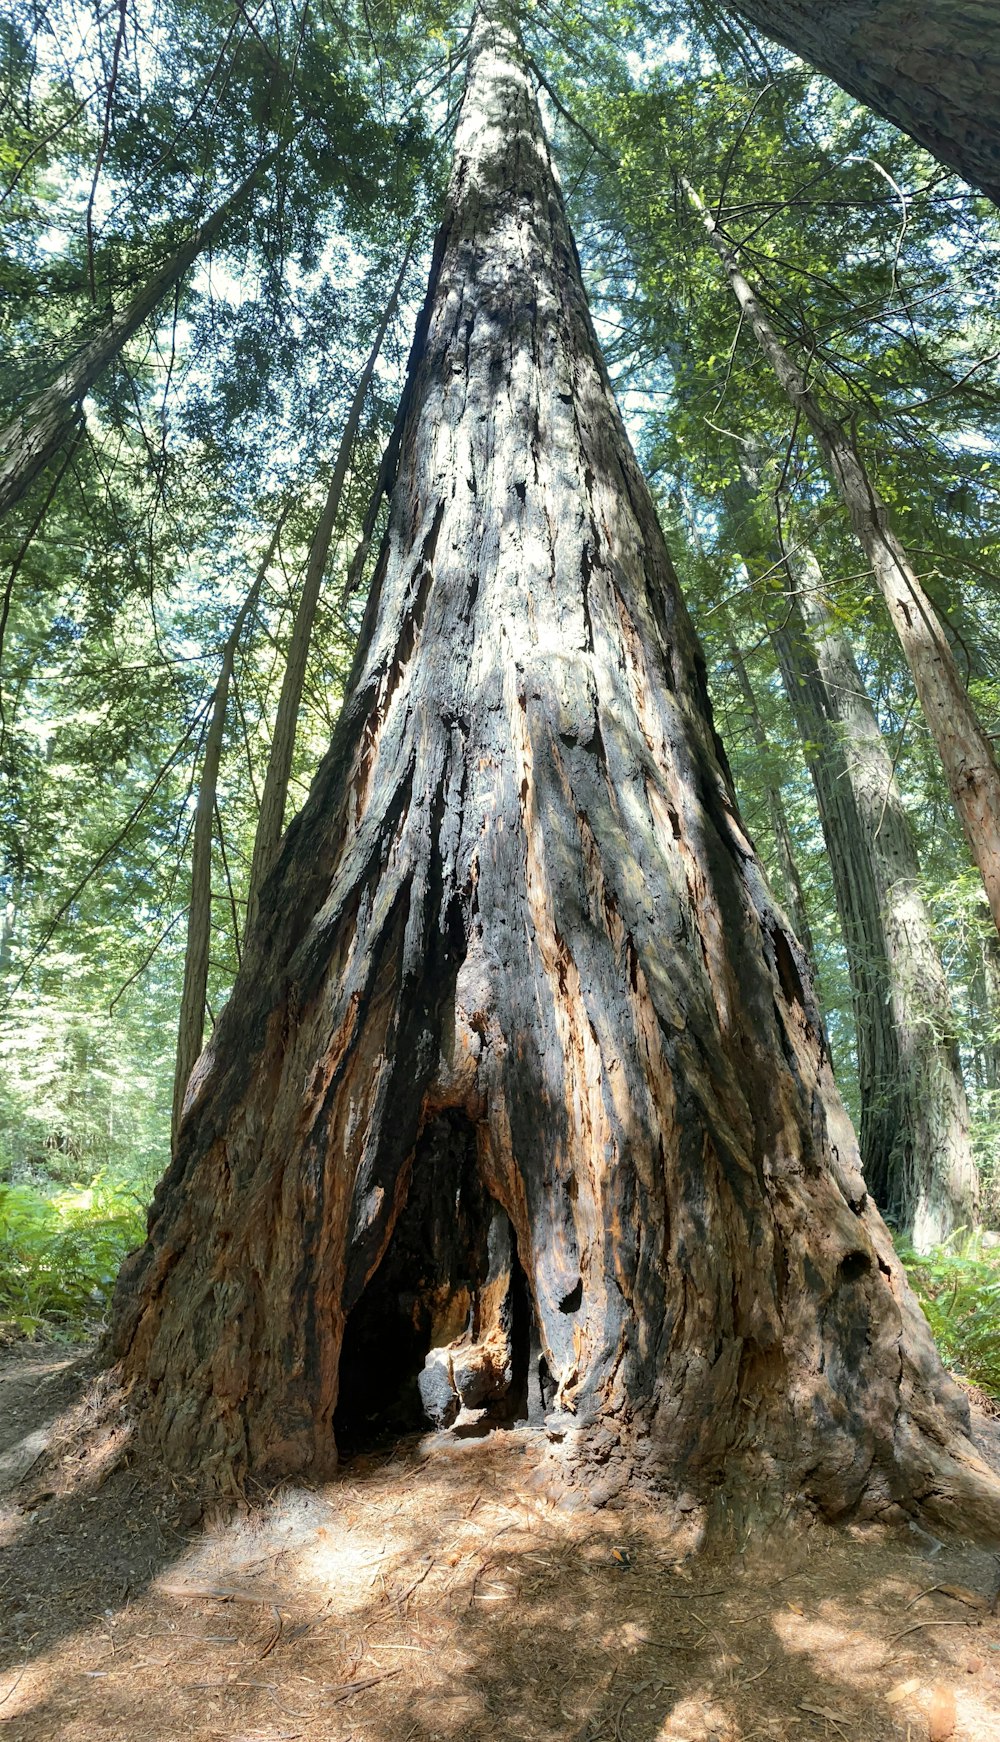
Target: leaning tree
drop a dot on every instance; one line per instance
(521, 1093)
(933, 68)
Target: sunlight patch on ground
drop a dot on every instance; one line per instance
(452, 1591)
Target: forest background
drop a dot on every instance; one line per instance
(224, 465)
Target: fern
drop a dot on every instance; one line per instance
(958, 1287)
(59, 1256)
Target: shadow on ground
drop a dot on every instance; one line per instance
(445, 1589)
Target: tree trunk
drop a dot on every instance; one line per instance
(788, 871)
(932, 69)
(274, 798)
(521, 1048)
(915, 1144)
(856, 896)
(790, 883)
(31, 438)
(191, 1022)
(966, 753)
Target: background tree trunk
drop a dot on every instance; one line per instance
(856, 896)
(967, 755)
(790, 883)
(915, 1145)
(274, 798)
(31, 438)
(191, 1023)
(517, 971)
(933, 69)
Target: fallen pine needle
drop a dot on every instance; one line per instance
(824, 1712)
(275, 1636)
(224, 1593)
(14, 1685)
(941, 1621)
(958, 1594)
(342, 1690)
(745, 1683)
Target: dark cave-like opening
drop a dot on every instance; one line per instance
(446, 1321)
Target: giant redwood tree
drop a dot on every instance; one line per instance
(521, 1090)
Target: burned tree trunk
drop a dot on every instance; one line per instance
(516, 963)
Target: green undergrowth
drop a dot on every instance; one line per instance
(60, 1254)
(958, 1286)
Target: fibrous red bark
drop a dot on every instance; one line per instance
(517, 966)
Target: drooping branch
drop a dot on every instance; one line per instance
(36, 433)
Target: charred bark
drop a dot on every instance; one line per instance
(519, 895)
(933, 69)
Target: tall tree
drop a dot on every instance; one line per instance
(517, 974)
(191, 1023)
(42, 426)
(274, 797)
(967, 755)
(789, 881)
(915, 1145)
(933, 69)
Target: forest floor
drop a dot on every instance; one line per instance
(437, 1590)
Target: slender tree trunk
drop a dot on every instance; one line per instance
(31, 438)
(920, 1167)
(933, 69)
(519, 1020)
(966, 753)
(991, 1011)
(788, 871)
(274, 798)
(191, 1023)
(856, 897)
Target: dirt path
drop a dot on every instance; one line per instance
(438, 1592)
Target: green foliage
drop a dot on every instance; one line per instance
(59, 1256)
(958, 1286)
